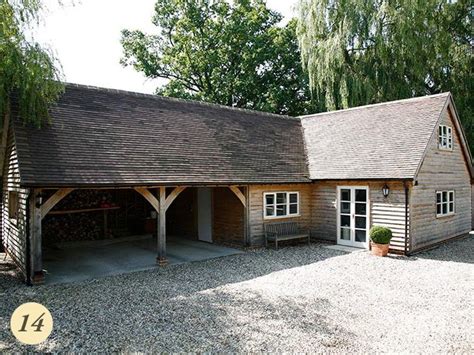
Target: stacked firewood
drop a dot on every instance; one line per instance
(83, 199)
(77, 226)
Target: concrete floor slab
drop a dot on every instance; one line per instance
(90, 260)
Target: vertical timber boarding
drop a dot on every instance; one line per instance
(14, 231)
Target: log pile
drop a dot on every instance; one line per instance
(77, 226)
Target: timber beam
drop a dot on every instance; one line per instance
(149, 197)
(53, 201)
(239, 195)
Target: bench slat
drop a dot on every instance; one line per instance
(283, 231)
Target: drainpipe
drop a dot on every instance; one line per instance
(407, 190)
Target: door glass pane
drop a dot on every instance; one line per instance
(345, 221)
(361, 195)
(360, 235)
(361, 222)
(345, 207)
(281, 197)
(345, 233)
(361, 208)
(281, 210)
(345, 195)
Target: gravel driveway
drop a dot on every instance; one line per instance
(296, 299)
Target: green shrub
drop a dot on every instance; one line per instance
(380, 235)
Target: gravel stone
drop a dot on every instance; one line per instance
(296, 299)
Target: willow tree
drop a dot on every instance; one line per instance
(366, 51)
(28, 72)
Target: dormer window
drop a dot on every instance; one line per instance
(445, 138)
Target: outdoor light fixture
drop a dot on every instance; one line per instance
(39, 200)
(385, 190)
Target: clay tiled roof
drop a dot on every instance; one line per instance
(381, 141)
(109, 137)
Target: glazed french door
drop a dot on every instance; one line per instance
(353, 218)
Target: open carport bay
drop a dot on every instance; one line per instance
(78, 261)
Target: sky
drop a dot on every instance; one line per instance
(85, 37)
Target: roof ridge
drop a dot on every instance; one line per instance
(175, 99)
(418, 98)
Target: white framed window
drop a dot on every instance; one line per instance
(445, 140)
(281, 204)
(445, 203)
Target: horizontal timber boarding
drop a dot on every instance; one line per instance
(441, 170)
(388, 212)
(256, 218)
(14, 231)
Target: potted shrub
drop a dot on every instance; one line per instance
(380, 240)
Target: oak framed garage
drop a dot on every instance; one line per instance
(249, 168)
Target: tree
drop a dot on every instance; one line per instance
(233, 54)
(27, 71)
(366, 51)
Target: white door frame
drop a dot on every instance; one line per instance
(352, 242)
(205, 213)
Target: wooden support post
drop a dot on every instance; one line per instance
(161, 259)
(36, 257)
(247, 237)
(244, 198)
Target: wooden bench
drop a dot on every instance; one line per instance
(284, 231)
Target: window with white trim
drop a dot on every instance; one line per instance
(445, 203)
(445, 135)
(281, 204)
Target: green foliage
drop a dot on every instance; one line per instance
(27, 71)
(231, 53)
(366, 51)
(380, 235)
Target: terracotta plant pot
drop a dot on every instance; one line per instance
(379, 249)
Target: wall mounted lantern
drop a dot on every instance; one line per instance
(385, 190)
(39, 200)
